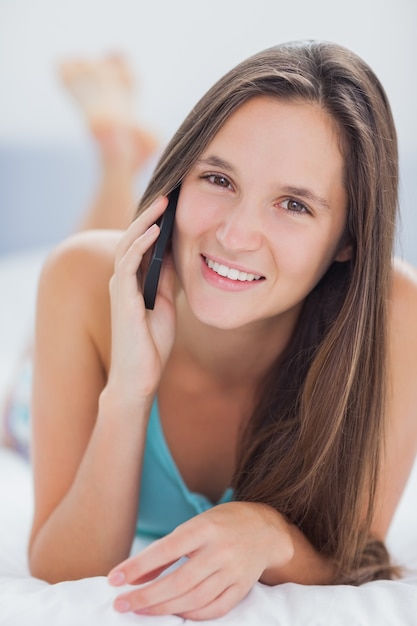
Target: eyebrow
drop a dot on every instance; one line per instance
(216, 161)
(300, 192)
(307, 194)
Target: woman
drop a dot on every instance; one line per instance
(260, 419)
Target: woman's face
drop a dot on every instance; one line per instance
(261, 215)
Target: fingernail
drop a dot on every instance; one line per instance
(116, 578)
(151, 230)
(121, 605)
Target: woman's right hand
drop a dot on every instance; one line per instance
(141, 339)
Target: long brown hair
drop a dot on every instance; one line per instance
(313, 447)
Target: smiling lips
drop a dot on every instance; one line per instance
(230, 272)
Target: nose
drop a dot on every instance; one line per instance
(240, 229)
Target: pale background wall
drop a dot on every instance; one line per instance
(177, 48)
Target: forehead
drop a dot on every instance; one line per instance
(276, 118)
(293, 140)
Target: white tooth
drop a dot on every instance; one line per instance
(233, 274)
(230, 272)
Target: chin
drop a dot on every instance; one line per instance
(215, 314)
(225, 311)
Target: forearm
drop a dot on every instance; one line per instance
(92, 528)
(305, 564)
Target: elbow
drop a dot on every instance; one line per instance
(56, 565)
(48, 564)
(41, 567)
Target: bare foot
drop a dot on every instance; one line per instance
(104, 90)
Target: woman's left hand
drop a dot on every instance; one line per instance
(227, 548)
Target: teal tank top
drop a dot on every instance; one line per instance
(165, 500)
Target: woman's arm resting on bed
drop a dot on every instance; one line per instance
(228, 549)
(85, 450)
(90, 412)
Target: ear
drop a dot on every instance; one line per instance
(344, 253)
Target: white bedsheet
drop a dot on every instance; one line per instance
(27, 601)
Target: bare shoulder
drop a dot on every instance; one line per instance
(93, 249)
(402, 358)
(401, 427)
(82, 263)
(403, 327)
(403, 301)
(74, 285)
(405, 276)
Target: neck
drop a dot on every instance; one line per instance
(232, 358)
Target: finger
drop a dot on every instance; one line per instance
(206, 601)
(117, 579)
(132, 258)
(140, 225)
(153, 602)
(219, 607)
(173, 585)
(124, 284)
(158, 556)
(152, 575)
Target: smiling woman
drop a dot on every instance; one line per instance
(239, 216)
(260, 420)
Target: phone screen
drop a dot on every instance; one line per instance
(166, 224)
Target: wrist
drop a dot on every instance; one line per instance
(113, 402)
(281, 547)
(292, 558)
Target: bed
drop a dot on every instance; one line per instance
(25, 600)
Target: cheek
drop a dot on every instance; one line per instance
(305, 256)
(192, 219)
(188, 227)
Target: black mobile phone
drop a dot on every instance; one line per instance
(166, 224)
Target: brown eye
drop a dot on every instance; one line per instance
(293, 206)
(219, 180)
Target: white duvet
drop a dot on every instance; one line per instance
(27, 601)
